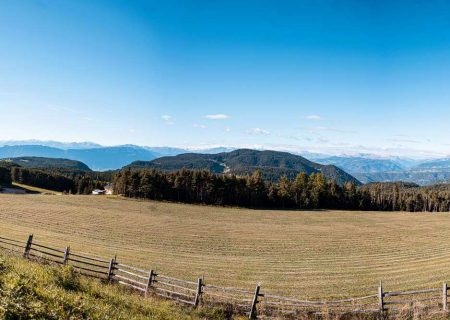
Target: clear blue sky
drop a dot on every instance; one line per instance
(322, 75)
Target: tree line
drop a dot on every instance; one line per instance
(62, 180)
(302, 192)
(201, 186)
(191, 186)
(5, 176)
(402, 196)
(253, 191)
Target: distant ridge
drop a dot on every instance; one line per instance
(360, 164)
(51, 143)
(273, 164)
(364, 167)
(40, 162)
(104, 158)
(99, 158)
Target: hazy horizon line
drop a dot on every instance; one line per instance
(350, 151)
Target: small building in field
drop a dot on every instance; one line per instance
(109, 190)
(98, 192)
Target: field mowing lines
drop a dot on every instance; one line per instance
(313, 254)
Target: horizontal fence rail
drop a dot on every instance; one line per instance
(11, 245)
(253, 303)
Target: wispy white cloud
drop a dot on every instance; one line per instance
(258, 131)
(404, 140)
(313, 117)
(315, 139)
(201, 126)
(320, 128)
(168, 120)
(219, 116)
(227, 129)
(293, 137)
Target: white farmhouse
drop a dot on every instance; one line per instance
(109, 190)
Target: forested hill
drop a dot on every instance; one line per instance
(273, 164)
(102, 158)
(47, 163)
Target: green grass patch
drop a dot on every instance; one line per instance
(29, 290)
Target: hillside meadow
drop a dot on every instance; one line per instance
(304, 254)
(32, 291)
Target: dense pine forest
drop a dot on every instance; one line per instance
(5, 176)
(57, 179)
(312, 191)
(303, 192)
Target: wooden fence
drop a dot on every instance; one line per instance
(254, 303)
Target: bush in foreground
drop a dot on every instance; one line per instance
(32, 291)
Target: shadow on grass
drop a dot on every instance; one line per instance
(13, 189)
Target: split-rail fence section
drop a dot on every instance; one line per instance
(256, 304)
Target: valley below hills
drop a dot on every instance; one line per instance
(363, 168)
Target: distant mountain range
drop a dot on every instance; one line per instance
(359, 164)
(101, 159)
(50, 143)
(368, 170)
(97, 157)
(365, 168)
(435, 164)
(273, 164)
(420, 177)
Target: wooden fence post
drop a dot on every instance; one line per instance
(381, 298)
(255, 302)
(28, 246)
(111, 268)
(149, 282)
(66, 255)
(199, 292)
(444, 296)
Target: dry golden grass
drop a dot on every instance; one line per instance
(34, 189)
(32, 291)
(306, 254)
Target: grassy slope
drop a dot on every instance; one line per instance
(32, 291)
(319, 254)
(28, 189)
(34, 189)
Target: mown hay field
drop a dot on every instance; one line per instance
(304, 254)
